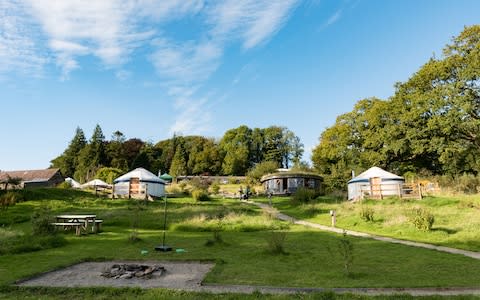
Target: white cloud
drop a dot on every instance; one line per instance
(254, 21)
(18, 50)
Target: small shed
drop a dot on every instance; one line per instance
(139, 183)
(287, 182)
(375, 183)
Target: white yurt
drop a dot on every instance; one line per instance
(139, 183)
(375, 183)
(95, 183)
(73, 183)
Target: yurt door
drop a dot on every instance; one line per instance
(376, 187)
(134, 185)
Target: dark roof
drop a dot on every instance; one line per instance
(290, 174)
(30, 175)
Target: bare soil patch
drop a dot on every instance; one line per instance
(177, 275)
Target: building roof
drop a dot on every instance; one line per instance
(290, 174)
(30, 175)
(375, 172)
(142, 174)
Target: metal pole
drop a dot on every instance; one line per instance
(163, 247)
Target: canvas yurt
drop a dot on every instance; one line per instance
(95, 183)
(375, 183)
(139, 183)
(287, 182)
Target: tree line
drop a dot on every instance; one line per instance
(238, 151)
(430, 126)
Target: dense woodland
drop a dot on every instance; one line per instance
(430, 126)
(234, 154)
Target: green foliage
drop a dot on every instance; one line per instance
(215, 187)
(367, 214)
(422, 219)
(260, 169)
(276, 242)
(41, 220)
(10, 198)
(304, 195)
(417, 129)
(24, 243)
(345, 249)
(200, 195)
(108, 174)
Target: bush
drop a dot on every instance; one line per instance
(304, 195)
(41, 220)
(200, 195)
(276, 242)
(366, 214)
(422, 219)
(10, 198)
(215, 188)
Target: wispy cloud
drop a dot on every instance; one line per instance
(36, 32)
(18, 50)
(251, 22)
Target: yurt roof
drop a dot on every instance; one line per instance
(140, 173)
(375, 172)
(290, 174)
(73, 182)
(166, 176)
(96, 182)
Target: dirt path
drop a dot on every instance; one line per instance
(284, 217)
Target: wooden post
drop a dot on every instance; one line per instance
(334, 217)
(399, 190)
(419, 192)
(113, 190)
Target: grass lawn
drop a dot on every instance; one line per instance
(311, 258)
(457, 221)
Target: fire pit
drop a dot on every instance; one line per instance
(127, 271)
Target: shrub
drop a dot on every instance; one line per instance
(41, 220)
(276, 242)
(215, 187)
(366, 214)
(200, 195)
(304, 195)
(10, 198)
(422, 219)
(345, 248)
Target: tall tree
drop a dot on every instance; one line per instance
(68, 161)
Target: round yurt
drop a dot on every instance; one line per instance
(287, 182)
(375, 183)
(139, 183)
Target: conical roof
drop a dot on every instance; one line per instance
(96, 182)
(140, 173)
(375, 172)
(166, 176)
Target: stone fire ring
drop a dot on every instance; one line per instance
(176, 275)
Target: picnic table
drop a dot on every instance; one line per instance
(81, 223)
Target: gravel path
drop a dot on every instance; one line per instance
(284, 217)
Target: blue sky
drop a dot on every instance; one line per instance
(151, 68)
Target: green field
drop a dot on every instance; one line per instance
(310, 259)
(457, 221)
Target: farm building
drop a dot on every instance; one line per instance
(375, 183)
(139, 183)
(287, 182)
(32, 178)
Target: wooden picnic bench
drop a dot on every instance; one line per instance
(69, 225)
(81, 223)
